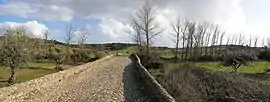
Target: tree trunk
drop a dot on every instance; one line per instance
(12, 75)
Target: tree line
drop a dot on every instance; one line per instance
(18, 49)
(193, 40)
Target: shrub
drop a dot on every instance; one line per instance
(264, 55)
(152, 62)
(58, 55)
(100, 54)
(206, 58)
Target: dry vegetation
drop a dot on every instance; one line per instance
(191, 84)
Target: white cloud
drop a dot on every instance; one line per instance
(33, 28)
(54, 12)
(39, 11)
(114, 14)
(109, 30)
(21, 9)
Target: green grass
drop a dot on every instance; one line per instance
(41, 64)
(252, 68)
(35, 70)
(128, 49)
(24, 74)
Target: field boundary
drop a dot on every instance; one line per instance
(152, 88)
(21, 91)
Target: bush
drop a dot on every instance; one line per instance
(206, 58)
(100, 54)
(264, 55)
(152, 62)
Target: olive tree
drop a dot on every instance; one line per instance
(14, 50)
(58, 56)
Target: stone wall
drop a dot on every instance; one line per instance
(151, 86)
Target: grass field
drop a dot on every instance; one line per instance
(252, 68)
(35, 70)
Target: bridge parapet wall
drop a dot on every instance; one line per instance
(152, 87)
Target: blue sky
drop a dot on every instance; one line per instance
(107, 20)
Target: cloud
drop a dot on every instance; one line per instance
(37, 11)
(114, 14)
(20, 9)
(109, 30)
(33, 28)
(54, 12)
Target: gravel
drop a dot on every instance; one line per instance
(113, 80)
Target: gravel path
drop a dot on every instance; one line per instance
(113, 80)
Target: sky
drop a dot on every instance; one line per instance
(108, 20)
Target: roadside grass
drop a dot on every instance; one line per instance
(130, 50)
(251, 68)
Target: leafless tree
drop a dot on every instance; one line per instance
(263, 42)
(70, 35)
(207, 38)
(82, 38)
(190, 38)
(46, 35)
(250, 41)
(214, 39)
(204, 28)
(145, 19)
(241, 39)
(268, 42)
(177, 31)
(136, 32)
(184, 30)
(256, 41)
(221, 42)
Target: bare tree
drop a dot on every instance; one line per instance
(184, 38)
(46, 35)
(207, 39)
(256, 41)
(241, 39)
(204, 28)
(214, 39)
(136, 32)
(268, 42)
(82, 38)
(263, 42)
(177, 31)
(191, 26)
(221, 42)
(250, 41)
(145, 18)
(70, 34)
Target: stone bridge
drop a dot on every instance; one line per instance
(110, 79)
